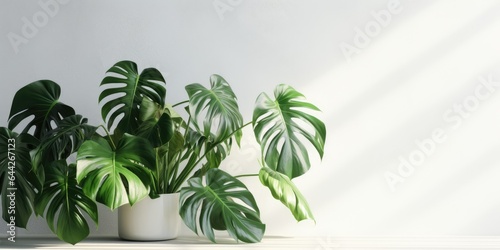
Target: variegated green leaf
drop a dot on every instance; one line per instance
(282, 126)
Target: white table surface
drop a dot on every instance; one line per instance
(269, 242)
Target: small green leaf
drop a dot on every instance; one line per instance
(156, 124)
(283, 189)
(69, 134)
(216, 201)
(61, 142)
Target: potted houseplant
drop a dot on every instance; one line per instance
(36, 171)
(126, 164)
(148, 149)
(191, 150)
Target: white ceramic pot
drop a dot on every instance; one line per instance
(150, 219)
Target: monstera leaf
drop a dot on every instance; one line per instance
(156, 124)
(216, 108)
(283, 189)
(67, 137)
(214, 206)
(61, 142)
(279, 125)
(17, 182)
(124, 92)
(38, 104)
(116, 176)
(63, 204)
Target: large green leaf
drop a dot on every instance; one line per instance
(17, 181)
(63, 204)
(215, 201)
(283, 189)
(215, 108)
(281, 124)
(38, 104)
(116, 176)
(124, 92)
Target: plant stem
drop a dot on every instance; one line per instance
(188, 169)
(180, 153)
(180, 103)
(246, 175)
(158, 171)
(109, 136)
(234, 132)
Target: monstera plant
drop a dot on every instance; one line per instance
(40, 170)
(149, 147)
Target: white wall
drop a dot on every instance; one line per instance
(397, 86)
